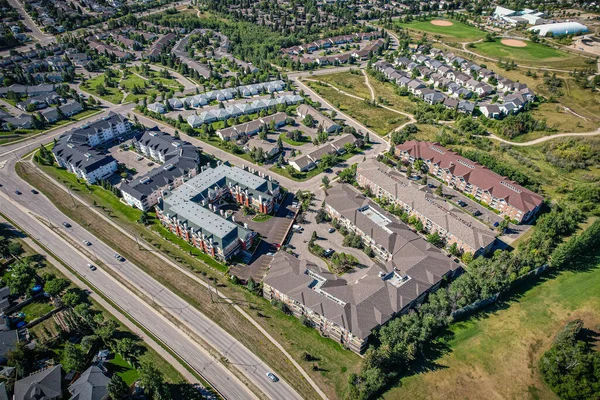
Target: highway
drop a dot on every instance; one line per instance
(35, 214)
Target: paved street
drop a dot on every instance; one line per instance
(34, 212)
(40, 36)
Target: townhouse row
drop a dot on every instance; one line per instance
(311, 160)
(330, 42)
(235, 110)
(343, 58)
(444, 78)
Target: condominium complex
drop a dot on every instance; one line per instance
(77, 150)
(348, 308)
(507, 197)
(178, 162)
(450, 222)
(194, 211)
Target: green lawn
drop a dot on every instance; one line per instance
(122, 368)
(379, 119)
(113, 95)
(291, 142)
(532, 52)
(262, 217)
(348, 82)
(458, 30)
(36, 310)
(495, 355)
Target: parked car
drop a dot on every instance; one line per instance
(477, 213)
(139, 158)
(272, 377)
(271, 254)
(90, 266)
(331, 230)
(328, 252)
(462, 203)
(66, 224)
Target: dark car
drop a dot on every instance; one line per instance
(17, 192)
(477, 213)
(462, 203)
(34, 191)
(66, 224)
(331, 230)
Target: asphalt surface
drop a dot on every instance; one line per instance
(34, 213)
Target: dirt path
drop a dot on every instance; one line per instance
(369, 84)
(545, 138)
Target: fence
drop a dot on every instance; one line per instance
(479, 304)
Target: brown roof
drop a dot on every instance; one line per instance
(361, 304)
(474, 173)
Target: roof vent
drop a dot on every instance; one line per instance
(145, 180)
(511, 187)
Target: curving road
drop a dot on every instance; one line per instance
(545, 138)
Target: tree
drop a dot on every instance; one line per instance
(308, 120)
(435, 239)
(503, 225)
(22, 278)
(325, 181)
(439, 190)
(117, 388)
(22, 358)
(262, 135)
(106, 330)
(347, 174)
(88, 342)
(127, 348)
(73, 358)
(72, 297)
(279, 144)
(55, 286)
(151, 379)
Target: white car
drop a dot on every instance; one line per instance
(87, 242)
(272, 376)
(271, 254)
(90, 266)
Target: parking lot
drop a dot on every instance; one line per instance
(132, 160)
(478, 211)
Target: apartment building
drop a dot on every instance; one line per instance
(349, 309)
(437, 215)
(179, 161)
(103, 130)
(193, 211)
(500, 193)
(83, 160)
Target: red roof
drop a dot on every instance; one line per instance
(474, 173)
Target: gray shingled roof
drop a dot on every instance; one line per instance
(80, 154)
(46, 384)
(91, 385)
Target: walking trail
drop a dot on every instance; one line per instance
(545, 138)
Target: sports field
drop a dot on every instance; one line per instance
(530, 52)
(458, 30)
(495, 356)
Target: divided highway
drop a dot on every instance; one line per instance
(42, 220)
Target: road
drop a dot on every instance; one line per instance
(34, 213)
(544, 138)
(40, 36)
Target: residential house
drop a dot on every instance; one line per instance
(45, 384)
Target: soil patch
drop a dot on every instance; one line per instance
(441, 22)
(513, 43)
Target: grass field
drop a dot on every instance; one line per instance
(380, 120)
(457, 32)
(122, 368)
(348, 82)
(495, 355)
(531, 52)
(289, 331)
(113, 95)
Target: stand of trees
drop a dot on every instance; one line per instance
(572, 367)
